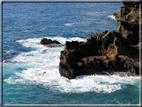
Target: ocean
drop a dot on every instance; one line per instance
(31, 70)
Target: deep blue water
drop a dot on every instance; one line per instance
(25, 60)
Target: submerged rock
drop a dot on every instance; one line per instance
(107, 51)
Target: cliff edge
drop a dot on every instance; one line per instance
(107, 51)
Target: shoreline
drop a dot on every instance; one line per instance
(109, 50)
(116, 73)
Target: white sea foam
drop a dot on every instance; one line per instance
(112, 17)
(76, 23)
(8, 51)
(34, 42)
(42, 29)
(71, 24)
(68, 24)
(92, 14)
(26, 31)
(43, 68)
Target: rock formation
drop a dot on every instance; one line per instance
(117, 15)
(128, 25)
(50, 43)
(46, 41)
(107, 51)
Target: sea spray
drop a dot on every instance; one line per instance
(42, 67)
(30, 70)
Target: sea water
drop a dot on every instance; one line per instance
(31, 70)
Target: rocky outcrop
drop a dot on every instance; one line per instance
(46, 41)
(117, 15)
(50, 43)
(128, 24)
(107, 51)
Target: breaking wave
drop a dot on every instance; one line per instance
(42, 67)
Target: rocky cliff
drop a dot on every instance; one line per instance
(107, 51)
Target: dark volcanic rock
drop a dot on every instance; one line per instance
(128, 24)
(50, 43)
(107, 51)
(117, 15)
(46, 41)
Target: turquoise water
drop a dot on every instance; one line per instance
(25, 60)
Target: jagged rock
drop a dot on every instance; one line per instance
(117, 15)
(50, 43)
(128, 23)
(46, 41)
(107, 51)
(101, 52)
